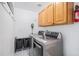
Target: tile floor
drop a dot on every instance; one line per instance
(22, 53)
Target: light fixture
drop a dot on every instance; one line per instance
(39, 5)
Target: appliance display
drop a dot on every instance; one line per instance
(49, 33)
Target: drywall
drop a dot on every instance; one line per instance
(6, 33)
(23, 18)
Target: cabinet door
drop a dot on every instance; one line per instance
(60, 13)
(40, 22)
(70, 12)
(50, 14)
(43, 18)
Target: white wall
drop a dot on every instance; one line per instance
(6, 33)
(23, 18)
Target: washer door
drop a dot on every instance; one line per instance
(37, 49)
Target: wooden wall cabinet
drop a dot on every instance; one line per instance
(43, 18)
(50, 14)
(56, 13)
(46, 16)
(63, 13)
(60, 13)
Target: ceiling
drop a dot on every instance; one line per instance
(33, 6)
